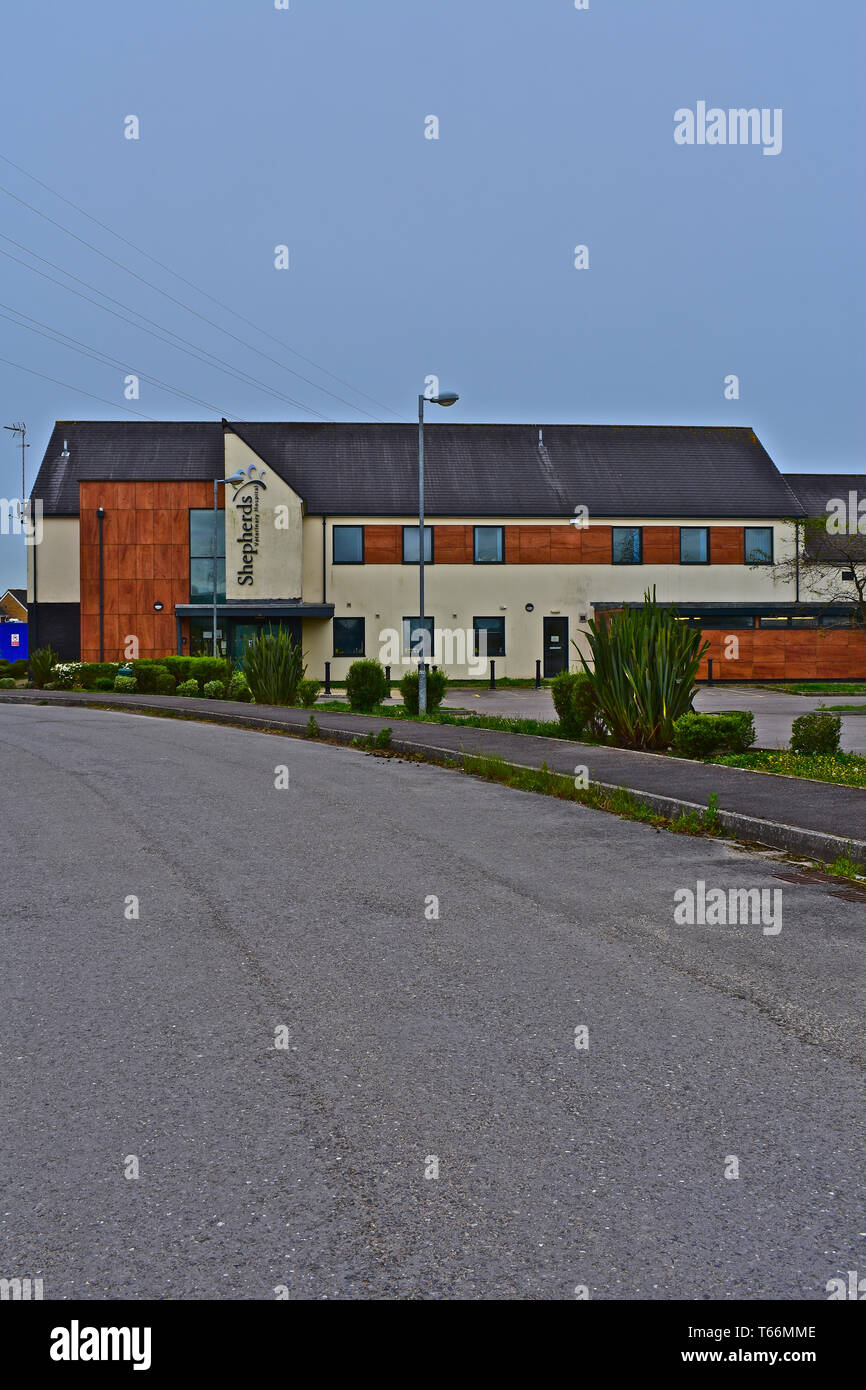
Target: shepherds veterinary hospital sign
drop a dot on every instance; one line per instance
(246, 501)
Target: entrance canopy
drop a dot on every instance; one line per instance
(249, 610)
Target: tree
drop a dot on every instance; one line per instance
(828, 562)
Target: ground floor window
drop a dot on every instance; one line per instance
(418, 637)
(201, 637)
(348, 637)
(493, 630)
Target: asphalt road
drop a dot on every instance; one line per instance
(303, 908)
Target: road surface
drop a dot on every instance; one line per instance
(303, 916)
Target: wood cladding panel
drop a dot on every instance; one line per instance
(661, 545)
(453, 545)
(383, 545)
(727, 545)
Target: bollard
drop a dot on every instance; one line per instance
(493, 675)
(388, 678)
(710, 671)
(327, 677)
(538, 675)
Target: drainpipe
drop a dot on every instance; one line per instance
(100, 517)
(324, 560)
(31, 637)
(797, 558)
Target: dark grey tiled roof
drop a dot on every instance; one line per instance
(470, 470)
(814, 490)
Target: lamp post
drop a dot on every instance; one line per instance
(444, 398)
(218, 482)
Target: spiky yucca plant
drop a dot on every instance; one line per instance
(644, 665)
(274, 667)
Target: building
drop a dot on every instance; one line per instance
(13, 606)
(531, 531)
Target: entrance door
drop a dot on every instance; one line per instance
(555, 646)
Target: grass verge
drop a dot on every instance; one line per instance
(845, 769)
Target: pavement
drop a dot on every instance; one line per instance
(706, 1143)
(803, 817)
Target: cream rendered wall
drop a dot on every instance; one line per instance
(58, 562)
(278, 565)
(455, 594)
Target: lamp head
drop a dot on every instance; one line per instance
(445, 398)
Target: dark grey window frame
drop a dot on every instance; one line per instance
(709, 558)
(632, 529)
(772, 531)
(349, 618)
(475, 559)
(341, 527)
(482, 618)
(427, 530)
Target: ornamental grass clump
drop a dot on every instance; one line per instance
(274, 667)
(644, 664)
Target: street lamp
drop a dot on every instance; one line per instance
(219, 482)
(444, 398)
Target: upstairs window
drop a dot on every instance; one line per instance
(627, 545)
(759, 545)
(410, 545)
(201, 555)
(488, 545)
(694, 545)
(348, 545)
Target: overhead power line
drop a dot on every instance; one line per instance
(190, 348)
(54, 335)
(19, 367)
(188, 308)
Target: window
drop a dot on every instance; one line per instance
(774, 620)
(837, 620)
(488, 545)
(694, 545)
(627, 545)
(348, 545)
(759, 545)
(722, 620)
(410, 545)
(494, 631)
(201, 555)
(418, 637)
(349, 633)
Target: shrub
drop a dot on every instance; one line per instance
(238, 688)
(147, 674)
(40, 664)
(576, 705)
(92, 671)
(179, 666)
(8, 683)
(307, 692)
(702, 735)
(366, 685)
(19, 667)
(65, 674)
(164, 682)
(214, 690)
(312, 726)
(50, 685)
(126, 685)
(104, 683)
(645, 661)
(274, 667)
(818, 732)
(210, 668)
(189, 689)
(436, 684)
